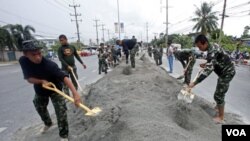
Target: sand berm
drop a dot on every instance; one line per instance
(137, 105)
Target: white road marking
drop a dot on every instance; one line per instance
(2, 129)
(94, 70)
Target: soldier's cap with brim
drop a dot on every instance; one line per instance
(30, 45)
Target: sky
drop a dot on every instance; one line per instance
(51, 18)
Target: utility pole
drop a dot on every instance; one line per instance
(222, 21)
(166, 23)
(119, 24)
(103, 39)
(96, 25)
(147, 32)
(76, 20)
(108, 35)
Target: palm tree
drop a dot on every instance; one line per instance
(205, 18)
(5, 41)
(20, 33)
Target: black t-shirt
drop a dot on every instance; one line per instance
(46, 70)
(128, 44)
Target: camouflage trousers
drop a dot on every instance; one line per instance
(41, 103)
(65, 87)
(222, 88)
(101, 62)
(132, 55)
(188, 73)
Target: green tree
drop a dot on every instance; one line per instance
(184, 40)
(206, 20)
(246, 32)
(20, 33)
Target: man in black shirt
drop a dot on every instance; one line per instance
(38, 70)
(129, 45)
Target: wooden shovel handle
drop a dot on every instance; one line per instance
(52, 87)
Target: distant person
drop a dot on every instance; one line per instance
(150, 51)
(186, 57)
(129, 45)
(102, 56)
(170, 57)
(114, 55)
(219, 62)
(161, 54)
(157, 55)
(66, 54)
(38, 70)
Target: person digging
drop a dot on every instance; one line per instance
(39, 71)
(219, 62)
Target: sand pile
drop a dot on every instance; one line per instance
(138, 105)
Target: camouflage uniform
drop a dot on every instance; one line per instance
(58, 101)
(161, 54)
(219, 62)
(157, 55)
(149, 51)
(132, 54)
(102, 60)
(183, 56)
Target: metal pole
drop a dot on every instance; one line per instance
(222, 21)
(166, 23)
(119, 24)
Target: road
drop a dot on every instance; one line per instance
(238, 95)
(16, 95)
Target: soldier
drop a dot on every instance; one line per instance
(66, 54)
(161, 54)
(129, 45)
(38, 70)
(156, 54)
(219, 62)
(102, 56)
(114, 55)
(150, 51)
(186, 57)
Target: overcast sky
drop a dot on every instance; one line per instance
(51, 18)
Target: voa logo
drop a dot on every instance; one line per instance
(236, 132)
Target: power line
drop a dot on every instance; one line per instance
(54, 28)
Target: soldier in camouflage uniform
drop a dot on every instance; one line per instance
(102, 56)
(129, 46)
(38, 70)
(157, 55)
(186, 56)
(161, 54)
(219, 62)
(149, 51)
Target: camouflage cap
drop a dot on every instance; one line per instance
(30, 45)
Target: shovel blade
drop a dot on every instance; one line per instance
(185, 96)
(95, 111)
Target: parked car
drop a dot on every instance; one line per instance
(85, 53)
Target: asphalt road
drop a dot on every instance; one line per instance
(238, 95)
(16, 95)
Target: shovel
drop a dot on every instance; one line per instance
(95, 111)
(78, 84)
(186, 94)
(182, 76)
